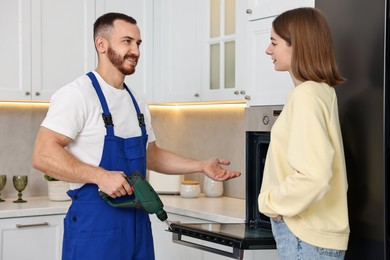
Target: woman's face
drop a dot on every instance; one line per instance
(280, 52)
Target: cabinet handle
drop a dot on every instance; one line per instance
(37, 93)
(32, 225)
(196, 95)
(242, 92)
(27, 93)
(236, 92)
(249, 11)
(247, 97)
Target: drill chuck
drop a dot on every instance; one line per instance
(162, 215)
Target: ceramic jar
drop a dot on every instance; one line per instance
(189, 189)
(212, 188)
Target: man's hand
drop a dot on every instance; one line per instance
(213, 169)
(114, 184)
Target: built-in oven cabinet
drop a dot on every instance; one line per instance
(33, 238)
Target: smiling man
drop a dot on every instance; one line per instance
(97, 131)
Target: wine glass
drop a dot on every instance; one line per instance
(3, 181)
(20, 183)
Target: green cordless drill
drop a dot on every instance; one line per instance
(144, 197)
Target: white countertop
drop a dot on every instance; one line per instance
(35, 206)
(223, 209)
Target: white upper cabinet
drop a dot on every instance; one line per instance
(142, 11)
(259, 9)
(178, 29)
(15, 62)
(62, 44)
(200, 50)
(265, 86)
(47, 46)
(224, 51)
(50, 43)
(212, 50)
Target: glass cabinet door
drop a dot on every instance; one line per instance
(224, 32)
(222, 44)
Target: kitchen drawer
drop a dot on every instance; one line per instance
(33, 238)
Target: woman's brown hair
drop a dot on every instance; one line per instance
(307, 32)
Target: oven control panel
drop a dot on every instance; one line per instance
(261, 118)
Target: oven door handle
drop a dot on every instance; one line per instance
(236, 254)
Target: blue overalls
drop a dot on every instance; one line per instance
(92, 228)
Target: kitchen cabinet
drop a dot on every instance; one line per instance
(224, 52)
(50, 43)
(164, 248)
(259, 9)
(142, 11)
(15, 64)
(192, 62)
(47, 46)
(266, 86)
(248, 255)
(178, 27)
(33, 238)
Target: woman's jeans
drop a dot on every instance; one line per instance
(292, 248)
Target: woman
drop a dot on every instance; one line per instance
(304, 188)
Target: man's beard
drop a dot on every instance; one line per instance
(118, 61)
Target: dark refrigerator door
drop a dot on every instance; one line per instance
(358, 30)
(387, 132)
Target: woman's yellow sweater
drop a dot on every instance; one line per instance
(305, 176)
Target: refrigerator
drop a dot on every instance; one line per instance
(360, 35)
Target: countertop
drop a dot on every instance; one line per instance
(222, 209)
(35, 206)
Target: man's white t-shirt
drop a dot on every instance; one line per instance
(75, 111)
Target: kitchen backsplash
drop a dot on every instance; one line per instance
(201, 132)
(19, 124)
(197, 132)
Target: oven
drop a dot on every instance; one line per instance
(256, 232)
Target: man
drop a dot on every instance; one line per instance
(76, 143)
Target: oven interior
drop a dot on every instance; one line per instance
(256, 150)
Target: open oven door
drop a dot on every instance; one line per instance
(237, 237)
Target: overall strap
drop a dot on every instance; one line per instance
(107, 118)
(140, 116)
